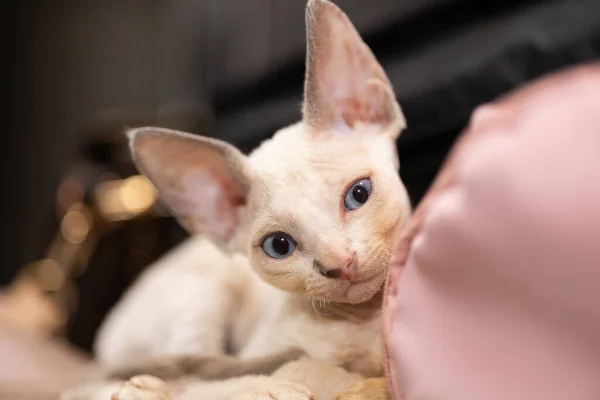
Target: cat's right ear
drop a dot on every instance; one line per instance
(202, 181)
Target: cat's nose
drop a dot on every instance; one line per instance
(344, 272)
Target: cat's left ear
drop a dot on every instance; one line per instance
(345, 83)
(202, 181)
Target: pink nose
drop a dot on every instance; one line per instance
(344, 273)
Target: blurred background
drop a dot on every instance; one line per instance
(78, 225)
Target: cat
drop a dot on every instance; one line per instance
(291, 243)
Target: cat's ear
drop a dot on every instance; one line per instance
(202, 181)
(345, 83)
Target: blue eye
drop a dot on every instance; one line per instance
(358, 194)
(278, 245)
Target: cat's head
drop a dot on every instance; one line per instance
(319, 206)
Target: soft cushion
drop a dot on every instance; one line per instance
(494, 291)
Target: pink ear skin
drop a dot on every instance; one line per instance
(344, 81)
(200, 180)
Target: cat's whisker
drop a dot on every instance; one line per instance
(314, 307)
(327, 305)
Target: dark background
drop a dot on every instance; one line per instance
(75, 73)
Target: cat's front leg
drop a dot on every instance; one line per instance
(147, 387)
(144, 387)
(323, 378)
(368, 389)
(267, 388)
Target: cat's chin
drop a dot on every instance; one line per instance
(351, 292)
(360, 292)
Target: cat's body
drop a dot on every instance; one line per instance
(156, 320)
(308, 221)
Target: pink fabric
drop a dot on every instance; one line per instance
(495, 289)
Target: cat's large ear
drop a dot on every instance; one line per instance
(345, 83)
(202, 181)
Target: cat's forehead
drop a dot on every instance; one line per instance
(299, 169)
(293, 151)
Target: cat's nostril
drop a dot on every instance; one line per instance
(334, 273)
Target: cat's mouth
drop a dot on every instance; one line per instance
(355, 291)
(367, 279)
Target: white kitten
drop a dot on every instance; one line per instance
(314, 212)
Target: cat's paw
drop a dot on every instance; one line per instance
(143, 387)
(368, 389)
(275, 390)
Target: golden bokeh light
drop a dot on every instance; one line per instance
(75, 226)
(137, 194)
(126, 198)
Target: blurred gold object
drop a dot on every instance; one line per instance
(91, 201)
(137, 194)
(51, 275)
(27, 307)
(75, 225)
(125, 198)
(41, 297)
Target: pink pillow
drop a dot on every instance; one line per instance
(494, 292)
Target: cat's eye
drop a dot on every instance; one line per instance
(278, 245)
(358, 194)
